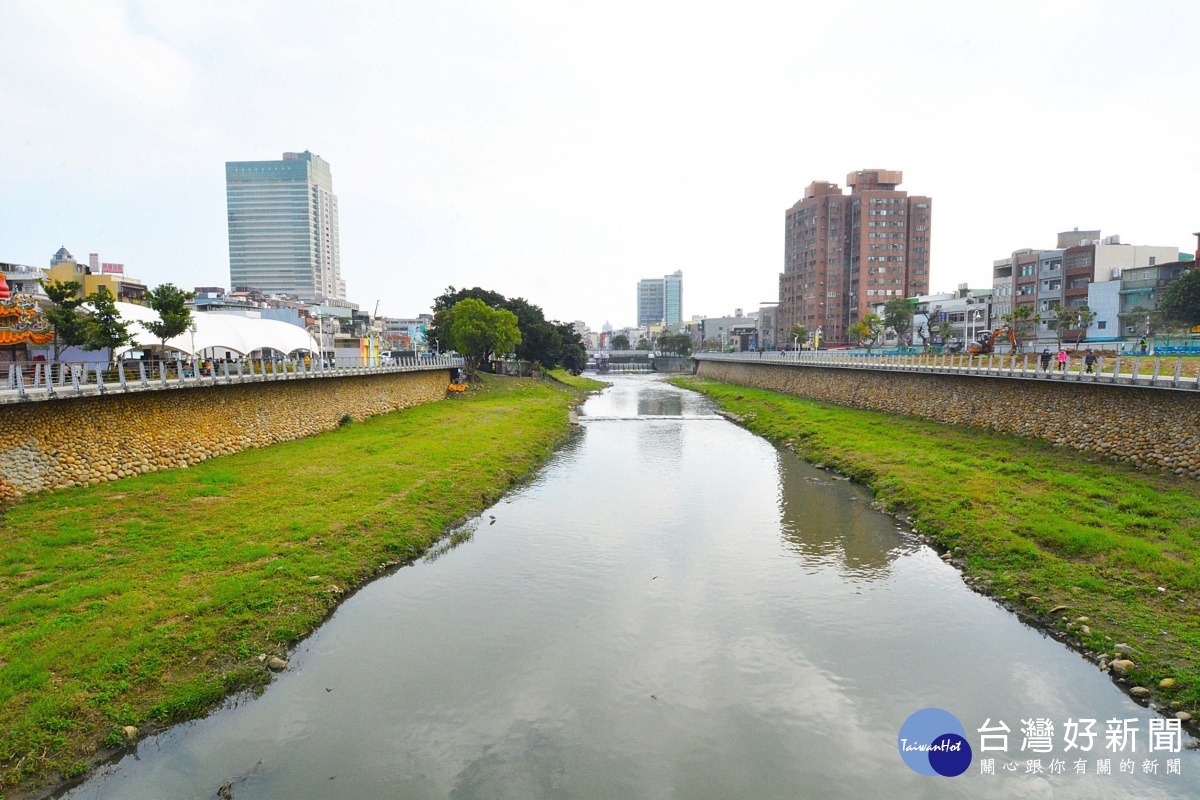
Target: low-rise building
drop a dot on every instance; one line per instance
(120, 286)
(1140, 293)
(769, 337)
(968, 311)
(24, 279)
(1104, 299)
(1050, 293)
(721, 329)
(406, 333)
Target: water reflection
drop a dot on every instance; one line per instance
(659, 403)
(661, 444)
(830, 521)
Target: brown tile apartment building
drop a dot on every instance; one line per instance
(846, 252)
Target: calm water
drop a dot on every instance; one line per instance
(673, 609)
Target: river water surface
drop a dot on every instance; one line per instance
(672, 609)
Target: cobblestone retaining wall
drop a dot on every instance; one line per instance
(80, 441)
(1151, 427)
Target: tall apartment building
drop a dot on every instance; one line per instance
(844, 253)
(660, 300)
(283, 227)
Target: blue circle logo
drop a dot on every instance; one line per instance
(934, 742)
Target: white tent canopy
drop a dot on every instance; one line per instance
(241, 335)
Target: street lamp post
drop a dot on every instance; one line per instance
(192, 331)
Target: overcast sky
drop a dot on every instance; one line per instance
(561, 151)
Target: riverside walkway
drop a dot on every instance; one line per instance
(1145, 371)
(48, 380)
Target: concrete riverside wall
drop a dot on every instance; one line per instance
(673, 364)
(1151, 427)
(88, 440)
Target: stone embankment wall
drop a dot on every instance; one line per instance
(1151, 427)
(88, 440)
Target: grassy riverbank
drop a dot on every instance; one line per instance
(1057, 532)
(578, 381)
(145, 602)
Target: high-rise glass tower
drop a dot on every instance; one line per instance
(283, 227)
(673, 298)
(649, 302)
(660, 300)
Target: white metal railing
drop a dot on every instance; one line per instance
(39, 380)
(1149, 371)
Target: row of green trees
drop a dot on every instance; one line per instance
(899, 315)
(480, 323)
(1023, 321)
(92, 322)
(676, 344)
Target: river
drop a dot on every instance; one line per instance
(673, 608)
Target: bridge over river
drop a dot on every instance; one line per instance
(672, 609)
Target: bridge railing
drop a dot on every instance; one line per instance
(41, 380)
(1150, 371)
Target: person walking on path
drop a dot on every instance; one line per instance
(1062, 359)
(1142, 345)
(1089, 359)
(1045, 358)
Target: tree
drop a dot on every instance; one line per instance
(65, 315)
(1022, 320)
(174, 315)
(926, 326)
(798, 334)
(679, 344)
(1180, 302)
(478, 331)
(545, 342)
(1059, 322)
(540, 343)
(103, 325)
(573, 355)
(438, 334)
(710, 345)
(642, 344)
(1084, 317)
(619, 342)
(945, 330)
(867, 330)
(898, 315)
(1070, 319)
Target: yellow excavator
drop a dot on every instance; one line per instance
(987, 341)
